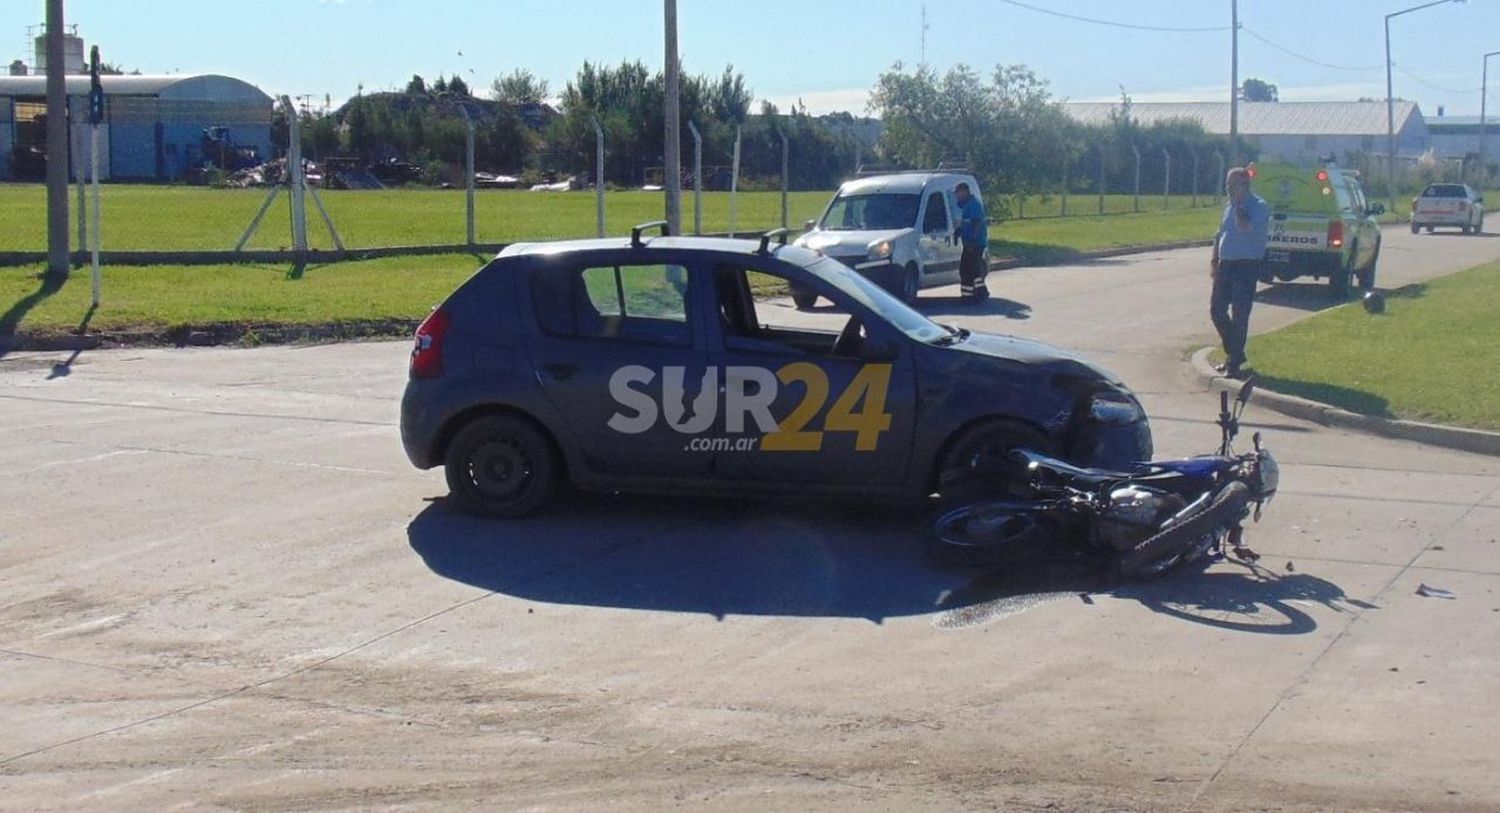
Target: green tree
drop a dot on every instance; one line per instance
(1256, 90)
(519, 87)
(417, 85)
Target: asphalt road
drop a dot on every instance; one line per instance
(222, 585)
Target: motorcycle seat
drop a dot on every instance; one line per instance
(1035, 461)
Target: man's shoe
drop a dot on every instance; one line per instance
(981, 292)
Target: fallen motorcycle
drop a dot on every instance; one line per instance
(1148, 519)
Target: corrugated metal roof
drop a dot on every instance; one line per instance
(78, 84)
(1260, 118)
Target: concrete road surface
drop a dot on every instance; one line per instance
(222, 585)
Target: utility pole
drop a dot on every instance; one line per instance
(924, 34)
(1484, 85)
(1234, 83)
(57, 145)
(672, 157)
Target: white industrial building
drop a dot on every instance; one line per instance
(1288, 131)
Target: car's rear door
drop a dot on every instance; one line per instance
(623, 359)
(795, 410)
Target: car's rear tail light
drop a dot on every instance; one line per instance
(427, 351)
(1336, 234)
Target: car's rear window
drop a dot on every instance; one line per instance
(1444, 190)
(645, 303)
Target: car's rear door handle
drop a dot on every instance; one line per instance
(561, 372)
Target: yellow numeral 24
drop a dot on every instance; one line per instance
(868, 391)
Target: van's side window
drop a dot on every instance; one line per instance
(935, 221)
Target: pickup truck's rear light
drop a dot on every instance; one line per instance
(1323, 175)
(427, 349)
(1336, 234)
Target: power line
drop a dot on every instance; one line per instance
(1433, 85)
(1113, 23)
(1305, 58)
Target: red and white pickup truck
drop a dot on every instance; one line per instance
(1448, 204)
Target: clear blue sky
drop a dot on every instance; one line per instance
(828, 53)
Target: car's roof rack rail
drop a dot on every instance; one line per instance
(773, 234)
(635, 233)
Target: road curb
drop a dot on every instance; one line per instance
(1476, 441)
(248, 335)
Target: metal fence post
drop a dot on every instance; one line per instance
(1196, 156)
(1137, 151)
(598, 174)
(734, 182)
(697, 177)
(786, 174)
(1166, 187)
(298, 179)
(1101, 179)
(1066, 162)
(468, 172)
(1218, 184)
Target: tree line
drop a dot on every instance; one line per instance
(1006, 127)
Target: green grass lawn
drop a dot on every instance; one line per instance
(178, 218)
(1433, 356)
(154, 298)
(1059, 239)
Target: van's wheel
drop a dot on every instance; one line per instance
(911, 282)
(1479, 227)
(500, 466)
(804, 301)
(1431, 229)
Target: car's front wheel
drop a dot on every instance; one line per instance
(501, 466)
(978, 460)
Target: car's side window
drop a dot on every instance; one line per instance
(750, 321)
(645, 303)
(936, 219)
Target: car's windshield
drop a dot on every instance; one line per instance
(880, 211)
(1444, 190)
(877, 299)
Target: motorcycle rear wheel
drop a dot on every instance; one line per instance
(992, 534)
(1163, 551)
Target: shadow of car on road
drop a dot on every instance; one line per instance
(959, 306)
(726, 558)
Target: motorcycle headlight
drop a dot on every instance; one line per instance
(1108, 407)
(881, 250)
(1269, 474)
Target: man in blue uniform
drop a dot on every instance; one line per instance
(974, 232)
(1239, 249)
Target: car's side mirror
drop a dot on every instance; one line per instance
(1479, 199)
(808, 226)
(1377, 208)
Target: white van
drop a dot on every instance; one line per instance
(896, 229)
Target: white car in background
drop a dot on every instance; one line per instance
(895, 229)
(1451, 205)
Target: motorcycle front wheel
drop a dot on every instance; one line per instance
(990, 534)
(1166, 549)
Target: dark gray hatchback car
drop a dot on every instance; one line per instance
(670, 364)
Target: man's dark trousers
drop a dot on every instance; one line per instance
(971, 270)
(1229, 306)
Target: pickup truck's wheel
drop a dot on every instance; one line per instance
(804, 301)
(911, 282)
(1367, 275)
(1431, 229)
(501, 466)
(1415, 228)
(1338, 283)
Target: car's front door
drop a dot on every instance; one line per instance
(940, 252)
(806, 401)
(622, 359)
